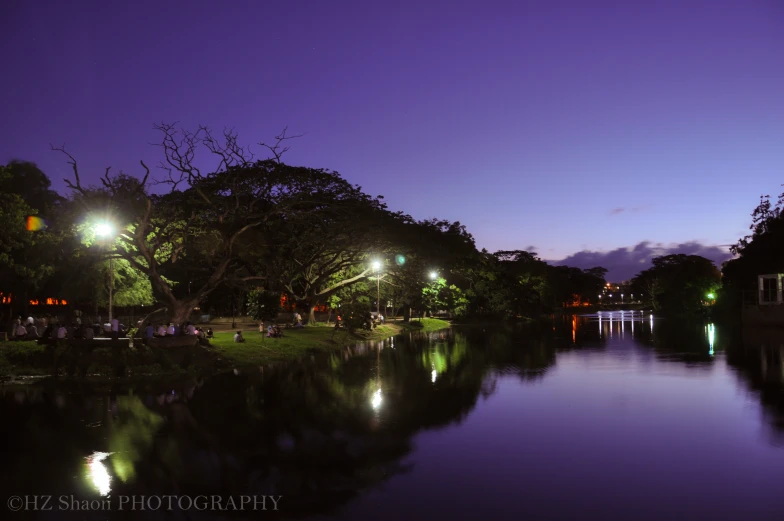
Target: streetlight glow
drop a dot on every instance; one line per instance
(104, 229)
(376, 265)
(433, 275)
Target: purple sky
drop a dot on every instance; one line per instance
(568, 126)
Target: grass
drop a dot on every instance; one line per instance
(23, 357)
(258, 349)
(31, 358)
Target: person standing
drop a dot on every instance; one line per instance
(115, 328)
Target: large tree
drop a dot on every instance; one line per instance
(206, 227)
(761, 252)
(319, 252)
(33, 235)
(678, 283)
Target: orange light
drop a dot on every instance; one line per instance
(35, 224)
(49, 301)
(63, 303)
(34, 302)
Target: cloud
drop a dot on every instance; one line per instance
(624, 263)
(621, 209)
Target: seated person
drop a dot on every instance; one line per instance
(161, 330)
(149, 331)
(277, 330)
(88, 333)
(19, 331)
(238, 337)
(210, 333)
(78, 331)
(32, 331)
(270, 331)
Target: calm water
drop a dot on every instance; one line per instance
(588, 418)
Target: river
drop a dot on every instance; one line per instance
(611, 416)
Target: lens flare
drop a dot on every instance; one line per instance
(35, 224)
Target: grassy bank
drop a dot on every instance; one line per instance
(32, 359)
(258, 349)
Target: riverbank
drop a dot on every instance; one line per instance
(258, 349)
(19, 359)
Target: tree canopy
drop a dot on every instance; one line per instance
(250, 228)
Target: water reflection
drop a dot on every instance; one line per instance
(583, 400)
(99, 474)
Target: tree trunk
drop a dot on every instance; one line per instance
(180, 310)
(406, 314)
(312, 314)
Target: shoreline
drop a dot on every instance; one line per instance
(24, 362)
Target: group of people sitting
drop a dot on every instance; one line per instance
(171, 329)
(274, 331)
(42, 330)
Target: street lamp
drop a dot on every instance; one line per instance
(433, 275)
(106, 230)
(377, 268)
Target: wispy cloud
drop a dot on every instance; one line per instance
(622, 209)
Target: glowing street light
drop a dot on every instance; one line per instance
(106, 230)
(711, 296)
(433, 275)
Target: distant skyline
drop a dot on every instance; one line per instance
(582, 129)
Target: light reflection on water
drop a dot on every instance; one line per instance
(99, 474)
(555, 421)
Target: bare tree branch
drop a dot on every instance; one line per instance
(278, 148)
(72, 162)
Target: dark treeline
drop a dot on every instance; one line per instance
(249, 231)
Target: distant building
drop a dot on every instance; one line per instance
(767, 309)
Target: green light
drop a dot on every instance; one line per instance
(400, 259)
(711, 296)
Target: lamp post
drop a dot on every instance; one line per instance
(377, 267)
(106, 230)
